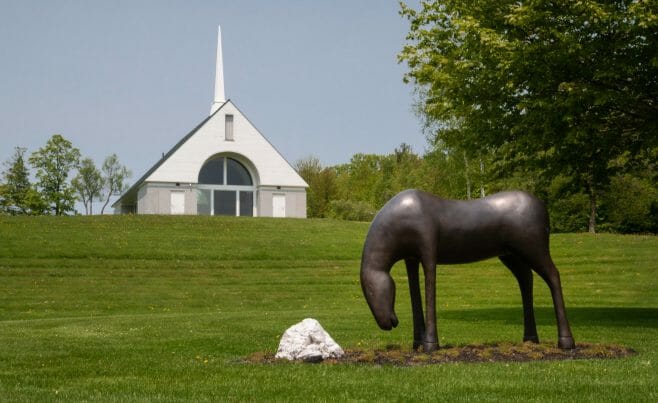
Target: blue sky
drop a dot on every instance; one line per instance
(133, 77)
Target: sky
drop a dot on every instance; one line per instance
(132, 77)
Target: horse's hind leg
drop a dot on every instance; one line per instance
(544, 266)
(523, 275)
(416, 302)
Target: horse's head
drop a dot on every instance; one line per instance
(379, 290)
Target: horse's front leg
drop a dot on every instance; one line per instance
(416, 302)
(430, 341)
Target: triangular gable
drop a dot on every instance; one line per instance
(183, 162)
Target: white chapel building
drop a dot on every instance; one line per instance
(224, 166)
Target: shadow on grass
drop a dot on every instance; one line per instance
(586, 316)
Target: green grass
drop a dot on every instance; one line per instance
(164, 308)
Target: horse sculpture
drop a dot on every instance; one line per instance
(420, 228)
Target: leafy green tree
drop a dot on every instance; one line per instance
(322, 185)
(88, 183)
(54, 162)
(17, 195)
(358, 178)
(407, 167)
(114, 178)
(560, 87)
(632, 204)
(368, 181)
(16, 184)
(445, 174)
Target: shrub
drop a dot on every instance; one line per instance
(351, 210)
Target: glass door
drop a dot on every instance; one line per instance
(225, 202)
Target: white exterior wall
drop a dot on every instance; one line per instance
(184, 165)
(295, 201)
(155, 198)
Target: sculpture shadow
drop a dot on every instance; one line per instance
(583, 316)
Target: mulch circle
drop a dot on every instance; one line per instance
(497, 352)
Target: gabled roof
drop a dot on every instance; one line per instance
(132, 191)
(130, 195)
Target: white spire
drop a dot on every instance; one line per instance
(220, 98)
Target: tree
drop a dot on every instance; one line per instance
(322, 185)
(358, 179)
(397, 171)
(17, 195)
(54, 162)
(88, 183)
(114, 178)
(632, 204)
(561, 87)
(16, 184)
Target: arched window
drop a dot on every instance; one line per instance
(225, 187)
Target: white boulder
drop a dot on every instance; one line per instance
(308, 341)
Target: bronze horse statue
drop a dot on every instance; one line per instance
(420, 228)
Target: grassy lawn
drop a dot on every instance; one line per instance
(164, 308)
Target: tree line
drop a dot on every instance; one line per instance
(53, 192)
(358, 189)
(564, 89)
(559, 98)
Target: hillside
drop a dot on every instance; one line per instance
(165, 308)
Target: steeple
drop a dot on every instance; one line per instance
(220, 98)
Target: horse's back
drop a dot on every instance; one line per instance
(496, 225)
(459, 231)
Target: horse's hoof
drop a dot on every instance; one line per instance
(429, 347)
(417, 344)
(532, 339)
(566, 343)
